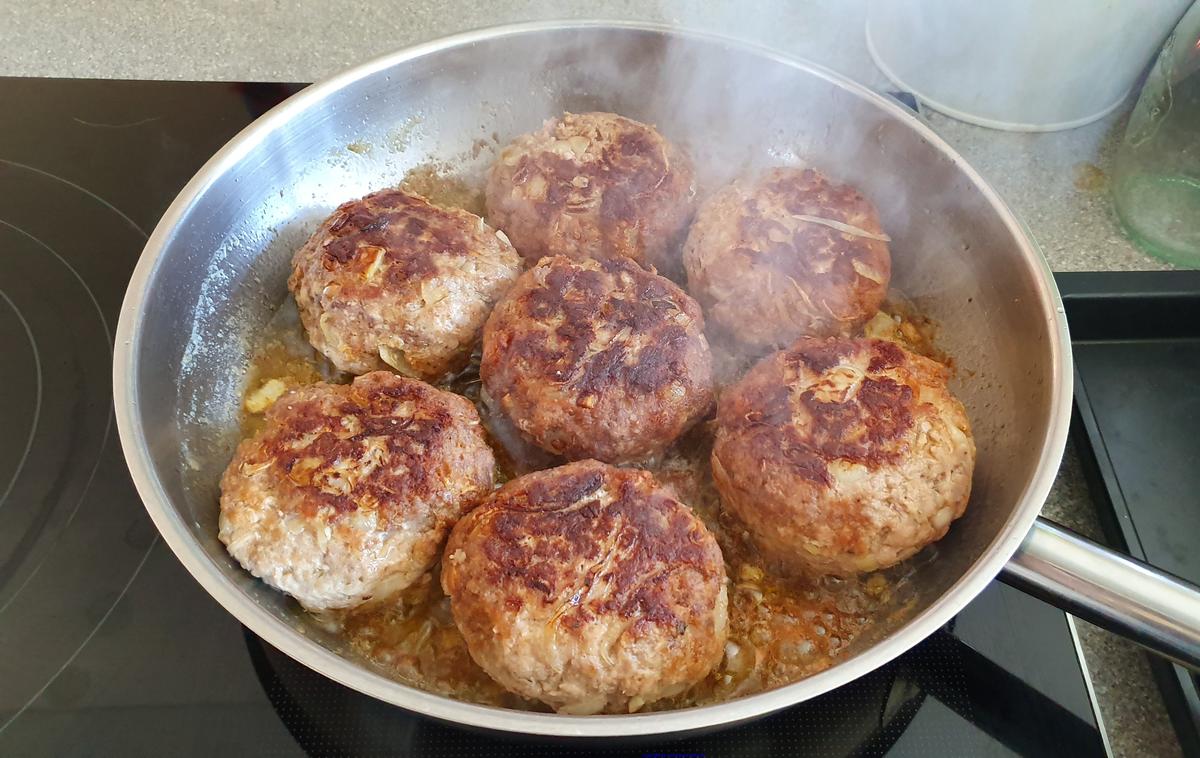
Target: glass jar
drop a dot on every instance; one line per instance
(1156, 180)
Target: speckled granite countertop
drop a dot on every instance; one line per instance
(1055, 182)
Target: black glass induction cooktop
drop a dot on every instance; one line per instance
(108, 647)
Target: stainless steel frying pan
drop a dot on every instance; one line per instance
(213, 272)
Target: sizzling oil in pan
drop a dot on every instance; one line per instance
(781, 629)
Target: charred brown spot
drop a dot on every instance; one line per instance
(550, 493)
(660, 364)
(409, 229)
(408, 268)
(583, 297)
(603, 370)
(363, 449)
(637, 143)
(575, 336)
(808, 190)
(887, 409)
(341, 251)
(760, 404)
(805, 427)
(858, 429)
(810, 465)
(818, 355)
(523, 349)
(549, 538)
(885, 355)
(339, 220)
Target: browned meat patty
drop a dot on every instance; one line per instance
(788, 256)
(393, 280)
(594, 185)
(349, 490)
(589, 588)
(597, 359)
(842, 456)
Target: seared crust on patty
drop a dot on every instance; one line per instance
(594, 185)
(393, 280)
(843, 456)
(597, 358)
(588, 587)
(768, 267)
(348, 491)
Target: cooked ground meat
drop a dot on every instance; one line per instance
(842, 456)
(348, 491)
(588, 587)
(597, 359)
(594, 185)
(787, 256)
(393, 280)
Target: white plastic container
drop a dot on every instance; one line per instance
(1021, 65)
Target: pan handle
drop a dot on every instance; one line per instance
(1153, 608)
